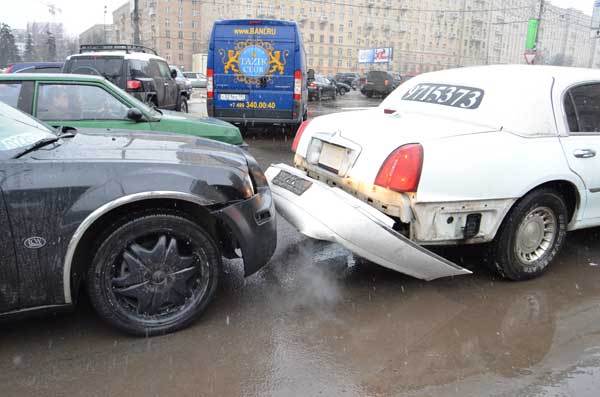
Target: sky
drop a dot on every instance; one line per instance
(78, 15)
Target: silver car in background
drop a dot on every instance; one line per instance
(181, 80)
(198, 80)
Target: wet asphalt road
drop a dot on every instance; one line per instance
(315, 323)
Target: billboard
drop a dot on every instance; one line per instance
(532, 32)
(376, 55)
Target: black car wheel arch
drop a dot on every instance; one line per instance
(155, 273)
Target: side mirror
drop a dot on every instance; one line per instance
(173, 73)
(134, 114)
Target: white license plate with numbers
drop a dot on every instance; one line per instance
(232, 97)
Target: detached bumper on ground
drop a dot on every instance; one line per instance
(325, 213)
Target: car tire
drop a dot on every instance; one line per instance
(182, 106)
(155, 273)
(530, 236)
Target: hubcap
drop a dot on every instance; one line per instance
(535, 234)
(159, 275)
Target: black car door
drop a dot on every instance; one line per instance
(170, 86)
(37, 196)
(159, 82)
(9, 276)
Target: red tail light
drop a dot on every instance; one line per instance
(313, 85)
(9, 69)
(297, 85)
(210, 93)
(134, 84)
(386, 83)
(401, 171)
(299, 134)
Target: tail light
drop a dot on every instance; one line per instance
(9, 69)
(299, 134)
(401, 171)
(313, 85)
(134, 84)
(386, 83)
(297, 85)
(210, 93)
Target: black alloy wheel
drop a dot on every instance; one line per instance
(155, 274)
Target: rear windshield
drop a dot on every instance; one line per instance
(377, 75)
(110, 67)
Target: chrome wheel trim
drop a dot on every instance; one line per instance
(536, 234)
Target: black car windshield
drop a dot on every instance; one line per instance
(18, 130)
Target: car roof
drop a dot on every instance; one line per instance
(52, 77)
(267, 22)
(40, 64)
(126, 55)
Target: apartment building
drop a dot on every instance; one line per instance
(99, 33)
(170, 27)
(425, 35)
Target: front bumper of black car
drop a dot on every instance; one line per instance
(253, 223)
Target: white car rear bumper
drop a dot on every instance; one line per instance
(325, 213)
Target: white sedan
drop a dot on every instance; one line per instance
(505, 155)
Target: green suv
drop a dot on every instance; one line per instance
(92, 102)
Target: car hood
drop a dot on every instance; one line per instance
(374, 125)
(206, 127)
(142, 146)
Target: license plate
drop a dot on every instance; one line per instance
(332, 157)
(291, 182)
(232, 97)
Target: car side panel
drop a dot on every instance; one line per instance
(9, 275)
(36, 199)
(50, 199)
(490, 166)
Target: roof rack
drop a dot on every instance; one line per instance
(115, 47)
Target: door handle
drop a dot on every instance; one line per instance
(584, 153)
(166, 84)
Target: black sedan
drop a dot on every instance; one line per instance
(321, 87)
(140, 220)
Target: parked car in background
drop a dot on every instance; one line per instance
(378, 83)
(141, 219)
(340, 87)
(35, 67)
(133, 68)
(257, 73)
(505, 155)
(321, 87)
(397, 78)
(183, 83)
(349, 78)
(198, 80)
(85, 101)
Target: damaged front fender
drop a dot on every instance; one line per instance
(325, 213)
